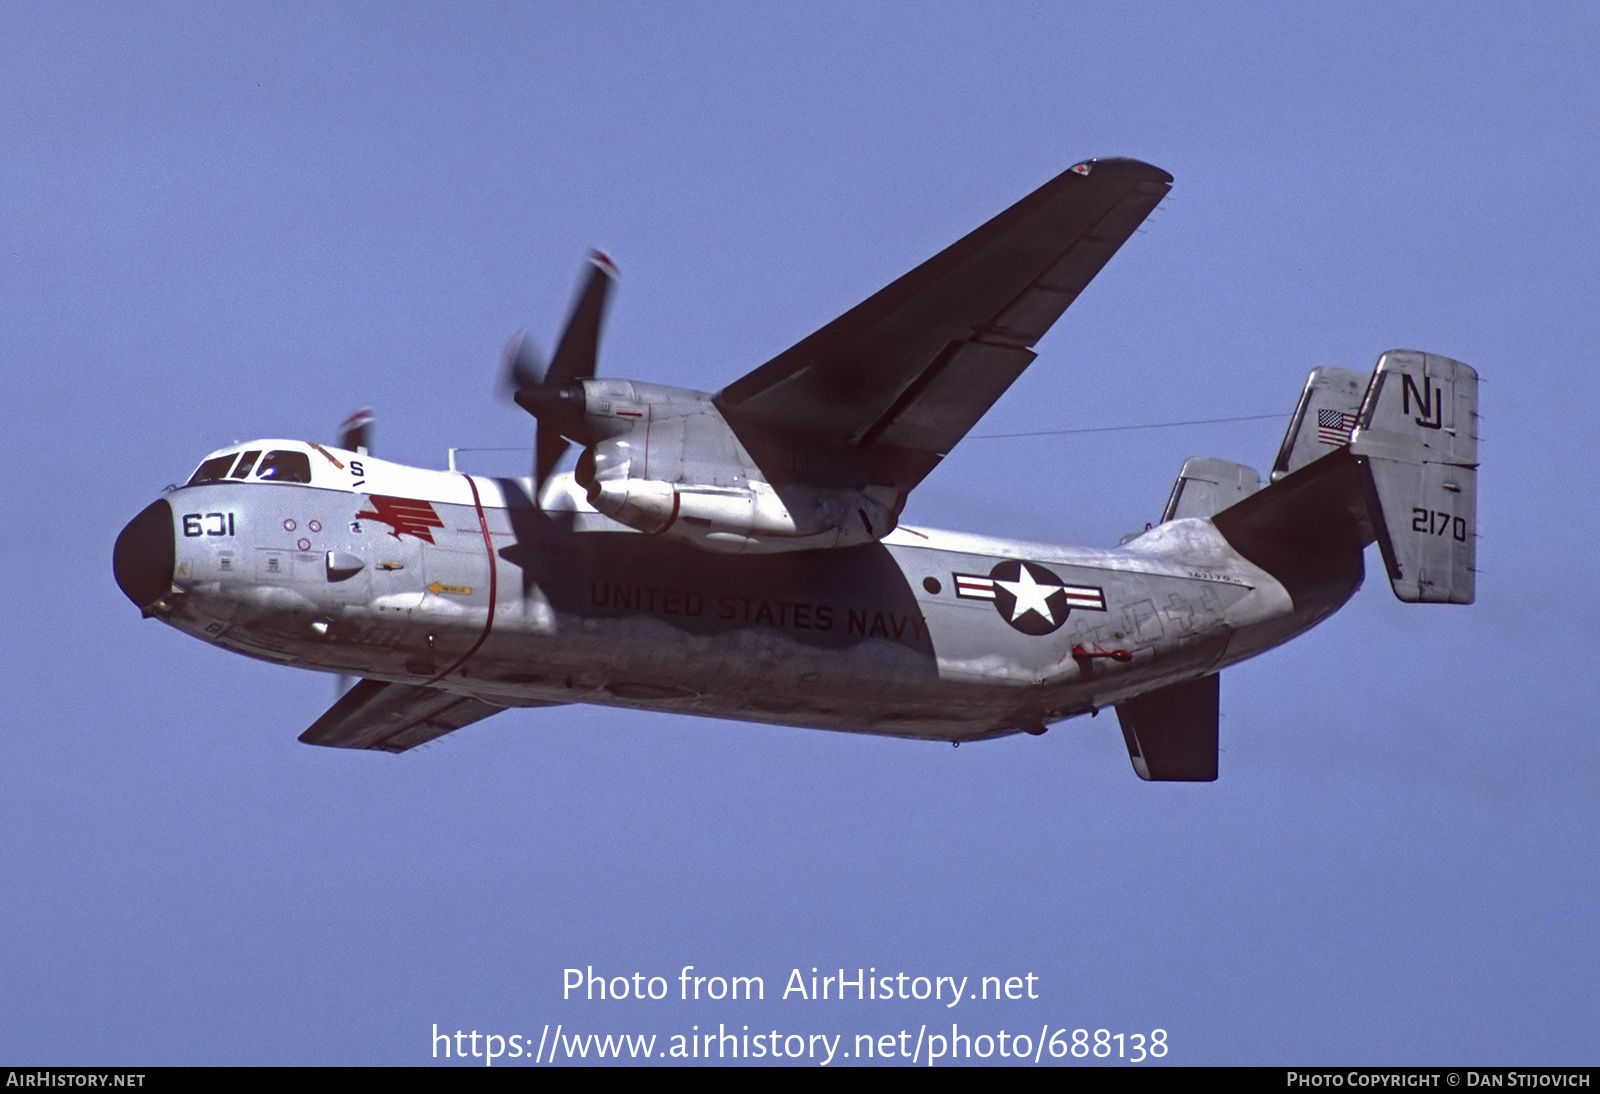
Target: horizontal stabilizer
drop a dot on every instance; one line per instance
(1171, 733)
(1323, 419)
(1206, 487)
(394, 717)
(1307, 530)
(1418, 437)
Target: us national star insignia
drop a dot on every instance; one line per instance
(1028, 596)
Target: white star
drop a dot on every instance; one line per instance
(1031, 596)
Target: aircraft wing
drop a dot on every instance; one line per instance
(908, 371)
(394, 717)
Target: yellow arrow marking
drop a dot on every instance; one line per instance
(459, 590)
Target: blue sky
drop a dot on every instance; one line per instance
(220, 223)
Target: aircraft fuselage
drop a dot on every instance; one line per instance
(463, 583)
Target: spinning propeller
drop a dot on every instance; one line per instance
(355, 434)
(553, 393)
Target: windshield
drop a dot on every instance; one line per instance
(285, 466)
(213, 469)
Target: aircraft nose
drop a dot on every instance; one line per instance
(145, 554)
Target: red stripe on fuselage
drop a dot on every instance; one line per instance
(494, 582)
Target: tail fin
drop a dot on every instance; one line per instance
(1322, 421)
(1393, 459)
(1407, 478)
(1207, 486)
(1171, 733)
(1417, 435)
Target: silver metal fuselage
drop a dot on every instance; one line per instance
(463, 583)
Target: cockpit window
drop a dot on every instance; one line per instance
(214, 469)
(245, 464)
(284, 466)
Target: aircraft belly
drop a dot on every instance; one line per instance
(750, 673)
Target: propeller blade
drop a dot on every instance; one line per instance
(551, 392)
(355, 435)
(523, 379)
(548, 448)
(579, 349)
(522, 366)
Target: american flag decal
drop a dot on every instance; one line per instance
(407, 516)
(1334, 426)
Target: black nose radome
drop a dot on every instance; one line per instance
(145, 553)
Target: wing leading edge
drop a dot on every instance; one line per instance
(907, 372)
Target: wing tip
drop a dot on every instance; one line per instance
(1120, 164)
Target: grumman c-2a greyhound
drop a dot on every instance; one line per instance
(740, 555)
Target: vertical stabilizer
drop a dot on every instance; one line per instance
(1207, 486)
(1323, 420)
(1417, 434)
(1171, 733)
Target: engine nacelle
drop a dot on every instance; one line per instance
(752, 519)
(663, 460)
